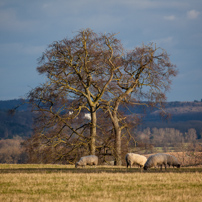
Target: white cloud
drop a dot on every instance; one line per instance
(193, 14)
(170, 17)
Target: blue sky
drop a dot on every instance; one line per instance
(27, 27)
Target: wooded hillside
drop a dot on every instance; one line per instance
(183, 116)
(181, 132)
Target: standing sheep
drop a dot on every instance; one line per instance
(137, 159)
(160, 160)
(87, 160)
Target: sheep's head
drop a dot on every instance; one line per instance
(178, 165)
(145, 167)
(76, 164)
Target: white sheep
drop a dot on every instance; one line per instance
(160, 160)
(87, 160)
(136, 159)
(87, 116)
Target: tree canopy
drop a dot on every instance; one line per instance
(92, 73)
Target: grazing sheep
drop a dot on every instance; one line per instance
(87, 160)
(156, 160)
(137, 159)
(160, 160)
(172, 161)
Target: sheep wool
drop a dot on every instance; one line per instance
(87, 160)
(172, 161)
(160, 160)
(136, 159)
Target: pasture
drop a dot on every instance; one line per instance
(103, 183)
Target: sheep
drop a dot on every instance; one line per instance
(87, 116)
(160, 160)
(137, 159)
(172, 161)
(156, 160)
(87, 160)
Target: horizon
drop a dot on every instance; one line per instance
(141, 101)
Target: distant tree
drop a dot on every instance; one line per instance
(191, 135)
(11, 151)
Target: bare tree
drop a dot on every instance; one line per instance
(55, 126)
(78, 69)
(145, 75)
(94, 73)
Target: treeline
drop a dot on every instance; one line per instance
(147, 141)
(182, 126)
(181, 132)
(12, 151)
(166, 137)
(20, 123)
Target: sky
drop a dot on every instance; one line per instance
(27, 27)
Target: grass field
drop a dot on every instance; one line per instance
(65, 183)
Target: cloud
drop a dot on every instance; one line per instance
(192, 14)
(170, 17)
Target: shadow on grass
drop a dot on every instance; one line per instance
(98, 170)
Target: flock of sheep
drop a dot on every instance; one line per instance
(155, 160)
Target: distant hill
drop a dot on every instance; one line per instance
(179, 108)
(11, 104)
(179, 111)
(182, 111)
(184, 115)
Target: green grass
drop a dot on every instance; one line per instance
(65, 183)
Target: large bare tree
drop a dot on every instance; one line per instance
(91, 72)
(80, 69)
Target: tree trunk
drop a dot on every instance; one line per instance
(93, 131)
(117, 146)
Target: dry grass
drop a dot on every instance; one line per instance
(103, 186)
